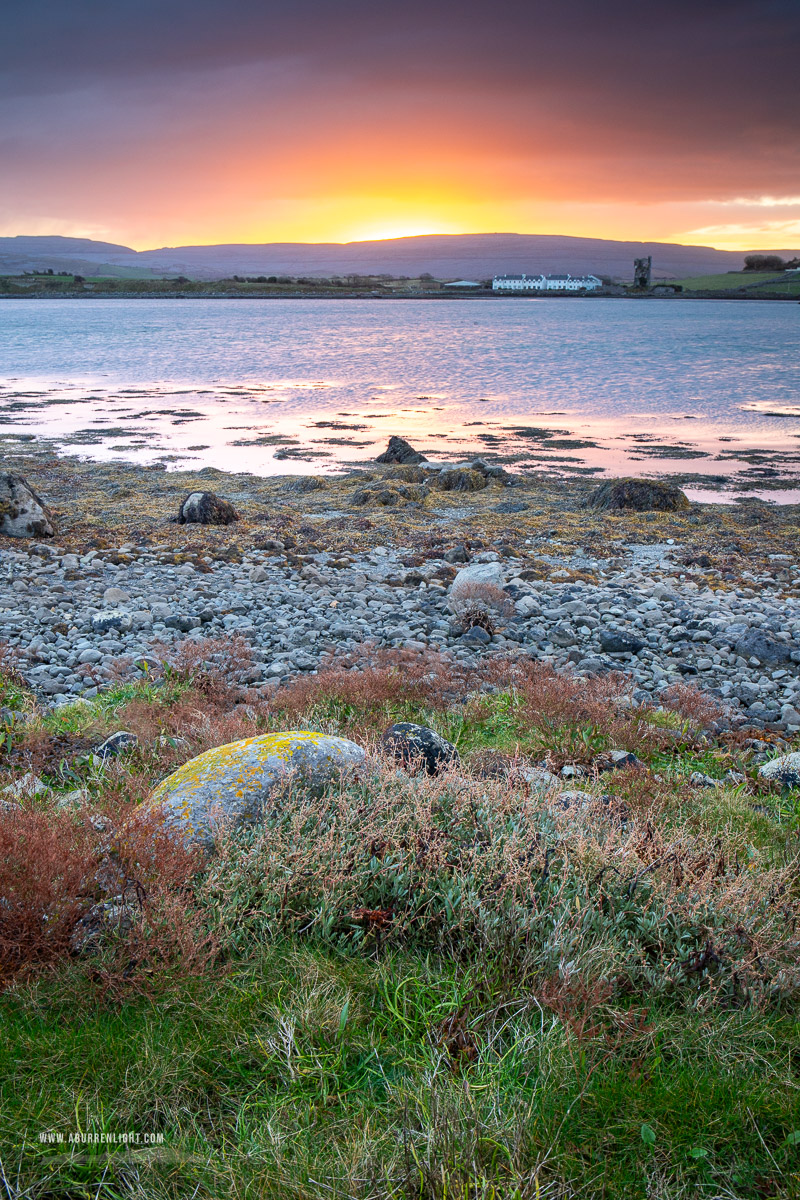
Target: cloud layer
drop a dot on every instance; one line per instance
(172, 121)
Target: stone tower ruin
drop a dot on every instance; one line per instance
(642, 268)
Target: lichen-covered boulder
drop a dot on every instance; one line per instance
(641, 495)
(206, 508)
(785, 770)
(228, 786)
(418, 746)
(22, 512)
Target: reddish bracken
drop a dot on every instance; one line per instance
(696, 707)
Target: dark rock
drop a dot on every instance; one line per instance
(117, 743)
(206, 508)
(457, 555)
(755, 644)
(616, 760)
(614, 641)
(476, 636)
(512, 506)
(400, 451)
(638, 494)
(22, 512)
(417, 746)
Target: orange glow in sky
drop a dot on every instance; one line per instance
(219, 121)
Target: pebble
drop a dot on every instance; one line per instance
(638, 613)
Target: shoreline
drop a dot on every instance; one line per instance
(318, 566)
(487, 295)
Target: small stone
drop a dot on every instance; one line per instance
(417, 745)
(258, 575)
(113, 596)
(117, 743)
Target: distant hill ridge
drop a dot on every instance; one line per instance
(445, 256)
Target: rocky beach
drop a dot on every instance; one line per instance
(327, 567)
(332, 803)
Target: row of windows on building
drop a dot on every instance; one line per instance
(546, 283)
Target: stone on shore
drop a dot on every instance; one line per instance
(22, 512)
(785, 770)
(418, 746)
(755, 644)
(642, 495)
(206, 508)
(228, 786)
(400, 451)
(490, 574)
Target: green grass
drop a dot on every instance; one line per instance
(734, 280)
(301, 1073)
(532, 1020)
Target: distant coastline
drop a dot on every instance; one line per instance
(435, 296)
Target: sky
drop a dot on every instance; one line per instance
(183, 122)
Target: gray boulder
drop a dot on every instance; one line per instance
(228, 786)
(22, 512)
(785, 770)
(206, 508)
(490, 573)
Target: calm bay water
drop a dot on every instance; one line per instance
(299, 385)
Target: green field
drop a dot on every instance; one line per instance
(734, 280)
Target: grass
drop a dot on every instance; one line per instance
(734, 280)
(304, 1073)
(412, 987)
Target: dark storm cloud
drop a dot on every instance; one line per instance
(736, 45)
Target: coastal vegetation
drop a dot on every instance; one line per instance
(564, 966)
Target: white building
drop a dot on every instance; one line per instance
(545, 283)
